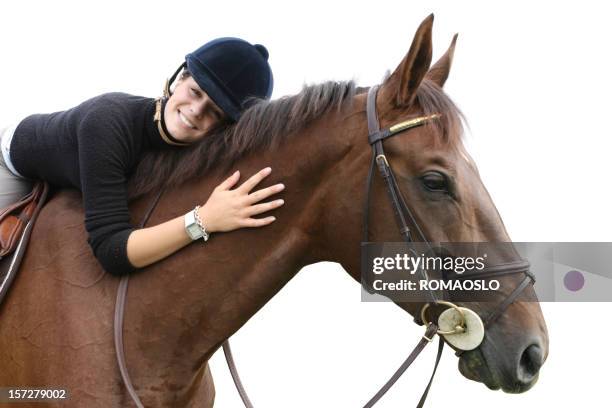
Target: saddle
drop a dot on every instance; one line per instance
(16, 224)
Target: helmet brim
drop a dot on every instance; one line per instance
(214, 88)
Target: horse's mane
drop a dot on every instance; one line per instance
(265, 125)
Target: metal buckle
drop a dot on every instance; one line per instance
(427, 338)
(384, 159)
(425, 335)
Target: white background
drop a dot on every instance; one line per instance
(531, 77)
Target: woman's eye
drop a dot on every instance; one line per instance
(194, 92)
(435, 181)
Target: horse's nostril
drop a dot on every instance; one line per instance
(530, 363)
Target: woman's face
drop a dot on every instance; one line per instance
(189, 113)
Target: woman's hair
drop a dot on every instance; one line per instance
(185, 73)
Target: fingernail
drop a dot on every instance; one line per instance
(281, 201)
(267, 169)
(281, 186)
(273, 218)
(236, 172)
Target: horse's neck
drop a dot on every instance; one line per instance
(221, 284)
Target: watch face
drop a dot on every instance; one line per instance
(194, 231)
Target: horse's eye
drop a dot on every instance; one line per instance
(435, 181)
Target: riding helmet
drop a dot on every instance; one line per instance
(232, 72)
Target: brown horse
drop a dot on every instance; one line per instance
(56, 323)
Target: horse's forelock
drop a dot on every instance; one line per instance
(432, 99)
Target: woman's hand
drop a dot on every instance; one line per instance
(227, 209)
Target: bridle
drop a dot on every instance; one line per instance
(404, 218)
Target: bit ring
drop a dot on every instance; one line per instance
(458, 329)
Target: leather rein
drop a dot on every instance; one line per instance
(404, 218)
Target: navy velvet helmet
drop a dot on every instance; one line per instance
(232, 72)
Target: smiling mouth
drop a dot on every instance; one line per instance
(186, 121)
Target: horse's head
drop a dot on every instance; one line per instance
(449, 202)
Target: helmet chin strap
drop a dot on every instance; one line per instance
(159, 111)
(170, 81)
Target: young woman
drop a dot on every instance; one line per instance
(96, 145)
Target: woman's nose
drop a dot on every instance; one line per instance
(199, 108)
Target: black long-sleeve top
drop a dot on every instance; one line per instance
(93, 147)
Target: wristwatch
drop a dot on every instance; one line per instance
(194, 226)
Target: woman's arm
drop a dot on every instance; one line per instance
(225, 210)
(104, 149)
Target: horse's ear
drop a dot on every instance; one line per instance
(439, 72)
(407, 77)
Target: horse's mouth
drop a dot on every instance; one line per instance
(473, 366)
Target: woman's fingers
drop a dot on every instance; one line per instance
(248, 185)
(264, 193)
(230, 181)
(262, 208)
(230, 208)
(257, 222)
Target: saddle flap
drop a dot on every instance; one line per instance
(14, 218)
